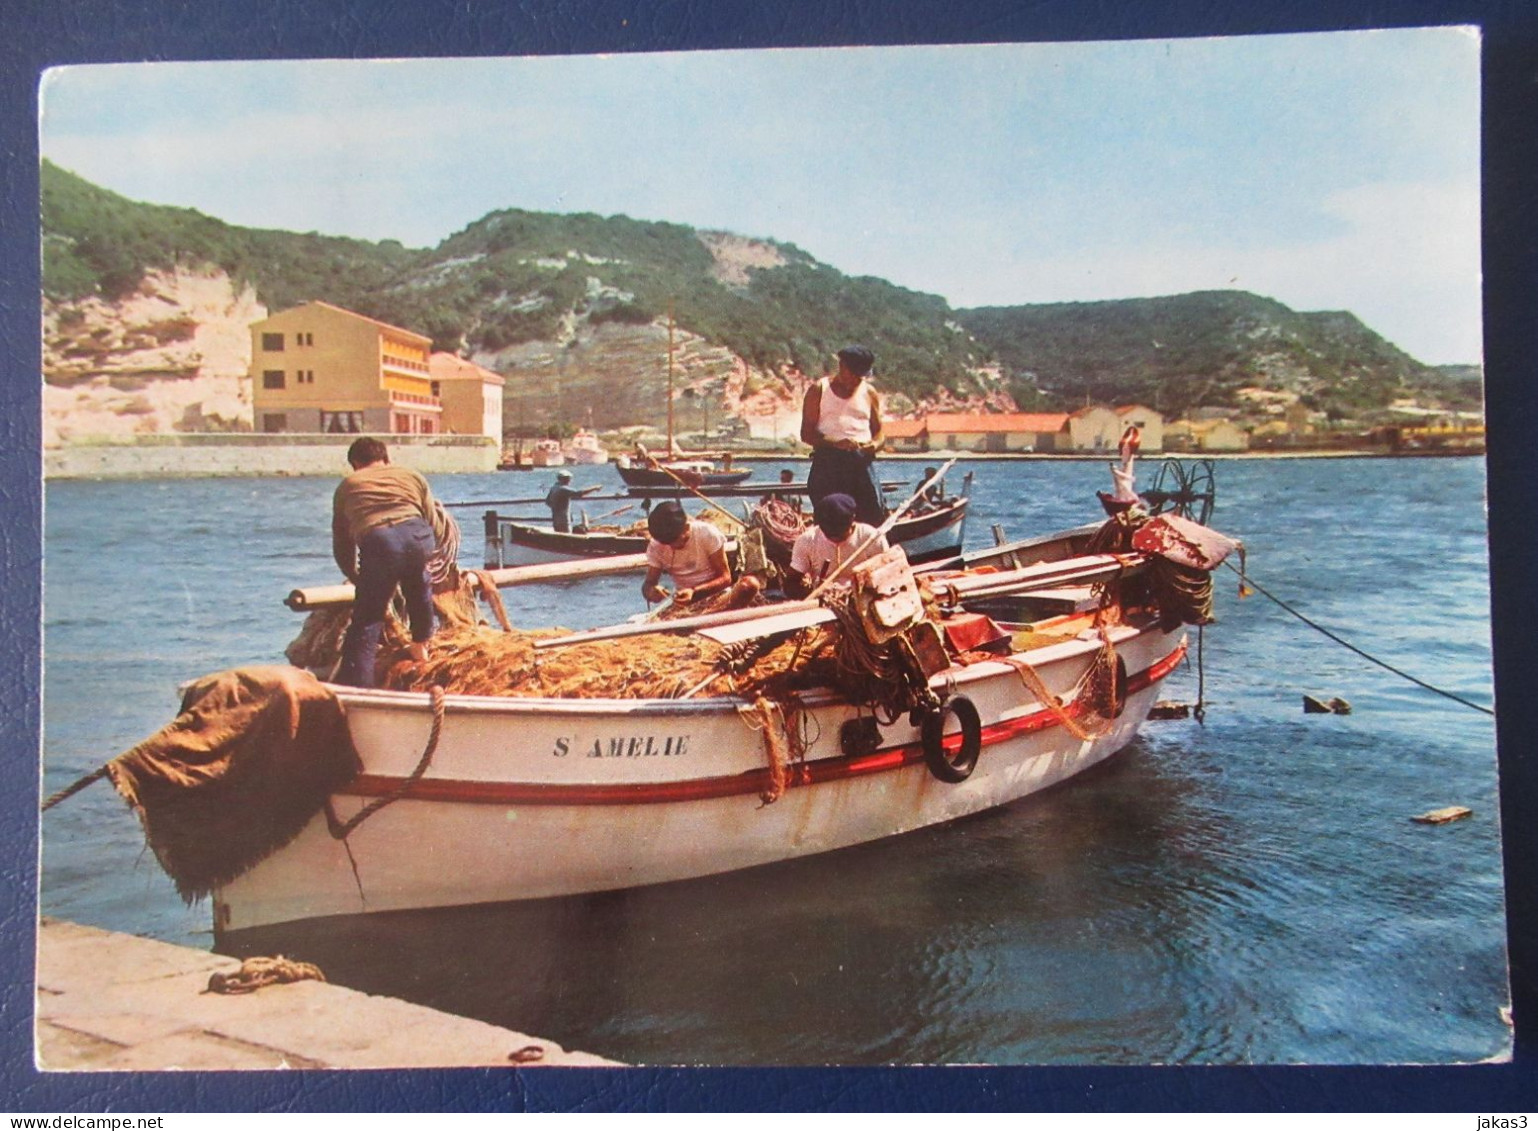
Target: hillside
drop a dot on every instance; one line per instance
(146, 309)
(1182, 351)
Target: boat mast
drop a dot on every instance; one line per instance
(670, 379)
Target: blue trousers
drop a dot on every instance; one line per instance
(388, 556)
(837, 472)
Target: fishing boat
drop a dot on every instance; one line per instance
(584, 448)
(691, 471)
(938, 531)
(547, 453)
(643, 469)
(538, 797)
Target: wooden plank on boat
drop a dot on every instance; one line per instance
(324, 596)
(767, 626)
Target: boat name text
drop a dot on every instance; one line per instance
(634, 746)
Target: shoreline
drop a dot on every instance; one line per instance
(199, 456)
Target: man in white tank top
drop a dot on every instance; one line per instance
(841, 420)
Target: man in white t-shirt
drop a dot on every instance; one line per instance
(693, 554)
(833, 539)
(841, 421)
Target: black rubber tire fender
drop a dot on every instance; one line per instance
(952, 769)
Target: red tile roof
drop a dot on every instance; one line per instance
(996, 422)
(449, 367)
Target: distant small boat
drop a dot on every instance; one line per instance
(584, 448)
(694, 472)
(547, 453)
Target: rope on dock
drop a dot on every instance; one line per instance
(1251, 583)
(254, 973)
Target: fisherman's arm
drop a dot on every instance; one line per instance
(721, 579)
(649, 587)
(877, 437)
(811, 407)
(342, 548)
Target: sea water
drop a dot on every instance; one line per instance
(1246, 889)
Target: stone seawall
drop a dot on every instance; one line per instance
(199, 454)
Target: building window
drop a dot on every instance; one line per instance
(272, 343)
(274, 422)
(436, 391)
(427, 425)
(272, 379)
(341, 421)
(303, 340)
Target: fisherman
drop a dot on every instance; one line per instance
(384, 528)
(841, 420)
(693, 554)
(833, 539)
(559, 501)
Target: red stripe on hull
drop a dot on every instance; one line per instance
(700, 789)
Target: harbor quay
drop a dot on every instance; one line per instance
(110, 1002)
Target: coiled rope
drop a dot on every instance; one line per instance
(254, 973)
(1249, 582)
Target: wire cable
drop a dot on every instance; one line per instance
(1249, 582)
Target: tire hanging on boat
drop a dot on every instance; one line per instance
(932, 731)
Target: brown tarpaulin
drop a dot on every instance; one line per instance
(251, 758)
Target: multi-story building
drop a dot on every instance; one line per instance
(319, 368)
(471, 396)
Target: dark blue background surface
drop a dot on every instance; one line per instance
(42, 33)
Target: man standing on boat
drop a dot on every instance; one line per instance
(384, 528)
(841, 420)
(559, 501)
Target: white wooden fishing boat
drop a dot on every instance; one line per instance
(547, 453)
(585, 448)
(531, 798)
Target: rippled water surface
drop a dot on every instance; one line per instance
(1248, 890)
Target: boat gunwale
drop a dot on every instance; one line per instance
(416, 701)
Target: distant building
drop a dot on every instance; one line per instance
(1094, 428)
(319, 368)
(1206, 436)
(999, 432)
(905, 435)
(1149, 422)
(470, 394)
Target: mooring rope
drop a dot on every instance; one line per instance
(342, 829)
(1251, 583)
(70, 790)
(254, 973)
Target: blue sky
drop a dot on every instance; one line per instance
(1329, 171)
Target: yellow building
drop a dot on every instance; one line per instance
(471, 396)
(319, 368)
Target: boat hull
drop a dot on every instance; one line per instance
(657, 477)
(929, 537)
(527, 799)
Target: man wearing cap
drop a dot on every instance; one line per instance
(833, 539)
(384, 528)
(841, 420)
(692, 553)
(559, 501)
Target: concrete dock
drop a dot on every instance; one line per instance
(112, 1002)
